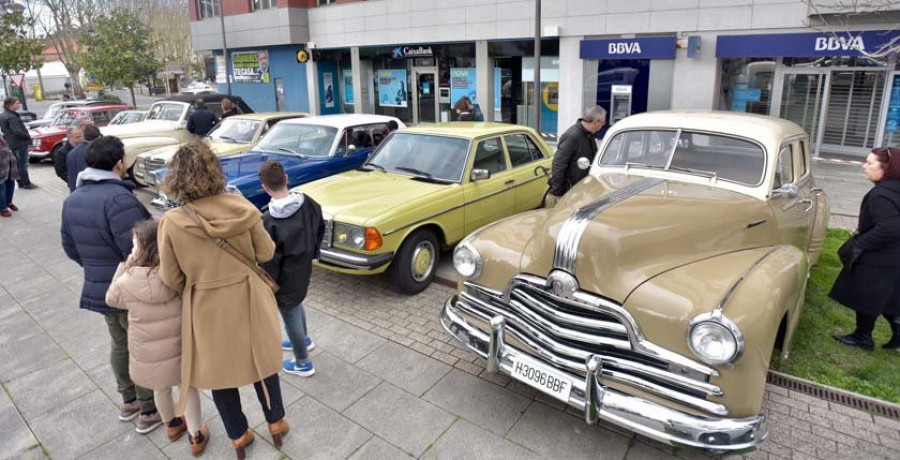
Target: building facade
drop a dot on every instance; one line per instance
(415, 59)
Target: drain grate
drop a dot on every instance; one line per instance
(846, 398)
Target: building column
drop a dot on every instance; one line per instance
(312, 85)
(358, 91)
(484, 79)
(571, 83)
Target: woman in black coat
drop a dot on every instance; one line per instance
(870, 282)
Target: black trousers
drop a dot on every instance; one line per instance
(228, 402)
(865, 324)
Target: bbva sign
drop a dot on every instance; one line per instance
(625, 48)
(840, 43)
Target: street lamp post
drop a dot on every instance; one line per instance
(224, 48)
(536, 109)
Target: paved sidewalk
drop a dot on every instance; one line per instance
(389, 384)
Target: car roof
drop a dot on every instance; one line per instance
(215, 98)
(269, 115)
(468, 129)
(770, 131)
(95, 108)
(340, 121)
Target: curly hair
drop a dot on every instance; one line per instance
(195, 173)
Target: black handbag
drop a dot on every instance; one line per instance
(849, 253)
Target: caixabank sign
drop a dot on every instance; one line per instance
(820, 44)
(629, 48)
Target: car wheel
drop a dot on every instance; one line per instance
(414, 265)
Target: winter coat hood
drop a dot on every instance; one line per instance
(282, 208)
(144, 285)
(226, 216)
(95, 175)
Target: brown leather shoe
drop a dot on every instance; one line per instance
(240, 444)
(175, 432)
(198, 443)
(278, 430)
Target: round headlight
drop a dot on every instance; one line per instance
(466, 261)
(715, 342)
(340, 234)
(357, 237)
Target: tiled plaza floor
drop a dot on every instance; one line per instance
(389, 384)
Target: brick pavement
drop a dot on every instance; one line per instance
(390, 382)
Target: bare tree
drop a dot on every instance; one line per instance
(838, 18)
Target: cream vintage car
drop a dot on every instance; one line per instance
(231, 136)
(653, 294)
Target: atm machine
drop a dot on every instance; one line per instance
(620, 105)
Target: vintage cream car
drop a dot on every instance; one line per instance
(653, 294)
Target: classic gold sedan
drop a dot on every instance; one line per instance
(653, 294)
(424, 189)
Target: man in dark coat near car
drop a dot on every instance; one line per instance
(17, 139)
(202, 121)
(576, 143)
(74, 138)
(97, 222)
(76, 158)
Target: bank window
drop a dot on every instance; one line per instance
(489, 156)
(256, 5)
(784, 172)
(521, 150)
(207, 8)
(325, 2)
(746, 85)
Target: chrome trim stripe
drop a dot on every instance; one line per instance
(730, 292)
(355, 261)
(572, 230)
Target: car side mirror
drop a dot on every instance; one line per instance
(480, 174)
(788, 190)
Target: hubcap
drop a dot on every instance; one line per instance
(422, 261)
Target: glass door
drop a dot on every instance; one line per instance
(853, 110)
(801, 100)
(425, 96)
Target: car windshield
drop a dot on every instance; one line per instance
(717, 156)
(168, 112)
(305, 140)
(236, 130)
(65, 119)
(433, 157)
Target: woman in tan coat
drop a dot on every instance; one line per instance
(154, 334)
(230, 322)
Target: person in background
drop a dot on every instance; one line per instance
(76, 158)
(74, 138)
(65, 96)
(8, 175)
(228, 108)
(209, 249)
(868, 283)
(294, 221)
(576, 143)
(97, 221)
(392, 126)
(17, 139)
(202, 120)
(154, 334)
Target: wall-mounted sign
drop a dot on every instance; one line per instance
(392, 88)
(250, 66)
(416, 51)
(463, 84)
(629, 48)
(221, 70)
(348, 87)
(302, 56)
(820, 44)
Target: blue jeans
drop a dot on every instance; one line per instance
(22, 164)
(7, 189)
(295, 326)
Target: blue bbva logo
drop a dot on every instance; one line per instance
(625, 48)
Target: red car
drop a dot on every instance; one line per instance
(45, 141)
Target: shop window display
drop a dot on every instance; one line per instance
(746, 85)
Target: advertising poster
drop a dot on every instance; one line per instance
(742, 96)
(892, 122)
(462, 83)
(498, 89)
(250, 66)
(392, 88)
(221, 71)
(348, 87)
(328, 83)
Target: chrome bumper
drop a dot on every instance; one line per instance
(346, 259)
(599, 402)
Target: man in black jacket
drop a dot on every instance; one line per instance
(202, 120)
(74, 138)
(294, 221)
(576, 143)
(17, 139)
(76, 159)
(97, 220)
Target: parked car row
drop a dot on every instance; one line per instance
(653, 294)
(47, 140)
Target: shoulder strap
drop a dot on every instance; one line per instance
(223, 243)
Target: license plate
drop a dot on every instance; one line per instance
(541, 377)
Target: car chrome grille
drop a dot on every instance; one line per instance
(326, 238)
(566, 332)
(154, 164)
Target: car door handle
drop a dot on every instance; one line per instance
(808, 202)
(510, 182)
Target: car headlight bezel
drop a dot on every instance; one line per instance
(465, 253)
(715, 323)
(355, 237)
